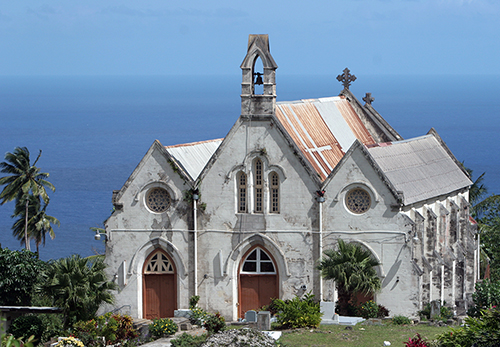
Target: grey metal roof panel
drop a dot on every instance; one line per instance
(324, 129)
(421, 168)
(194, 156)
(335, 121)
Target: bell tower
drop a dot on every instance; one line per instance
(258, 88)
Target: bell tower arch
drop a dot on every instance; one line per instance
(263, 102)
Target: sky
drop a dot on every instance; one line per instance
(203, 37)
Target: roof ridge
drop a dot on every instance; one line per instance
(193, 143)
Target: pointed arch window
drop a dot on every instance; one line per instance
(258, 262)
(275, 192)
(258, 185)
(159, 263)
(242, 192)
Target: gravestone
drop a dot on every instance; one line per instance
(264, 320)
(435, 309)
(329, 315)
(251, 316)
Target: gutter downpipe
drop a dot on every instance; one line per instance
(195, 242)
(320, 200)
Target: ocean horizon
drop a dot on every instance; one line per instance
(94, 130)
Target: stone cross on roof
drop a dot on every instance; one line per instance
(368, 98)
(346, 78)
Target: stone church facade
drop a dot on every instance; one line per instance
(243, 219)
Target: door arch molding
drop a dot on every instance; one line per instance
(233, 260)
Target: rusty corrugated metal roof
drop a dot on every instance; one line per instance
(324, 129)
(421, 168)
(194, 156)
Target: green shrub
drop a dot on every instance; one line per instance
(193, 301)
(273, 307)
(478, 332)
(186, 340)
(445, 313)
(197, 315)
(368, 309)
(214, 323)
(401, 320)
(162, 327)
(299, 313)
(25, 326)
(425, 313)
(487, 295)
(115, 328)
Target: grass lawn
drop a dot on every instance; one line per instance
(359, 336)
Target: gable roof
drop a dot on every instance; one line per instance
(323, 129)
(193, 157)
(421, 168)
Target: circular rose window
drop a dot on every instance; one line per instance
(358, 200)
(158, 200)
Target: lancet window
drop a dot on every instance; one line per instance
(274, 193)
(242, 192)
(258, 186)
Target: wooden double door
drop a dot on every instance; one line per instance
(159, 286)
(258, 281)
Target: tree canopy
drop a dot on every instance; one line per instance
(19, 273)
(23, 181)
(353, 269)
(77, 285)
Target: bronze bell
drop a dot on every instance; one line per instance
(258, 78)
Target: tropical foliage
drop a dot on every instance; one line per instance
(39, 222)
(297, 312)
(352, 269)
(29, 325)
(114, 328)
(162, 327)
(486, 296)
(486, 210)
(483, 331)
(19, 273)
(24, 182)
(77, 285)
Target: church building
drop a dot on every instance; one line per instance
(244, 219)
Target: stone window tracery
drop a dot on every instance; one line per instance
(158, 200)
(258, 262)
(159, 263)
(358, 200)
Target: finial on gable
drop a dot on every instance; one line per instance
(368, 98)
(346, 78)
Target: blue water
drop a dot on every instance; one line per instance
(94, 130)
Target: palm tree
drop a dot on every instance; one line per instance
(24, 180)
(39, 222)
(486, 211)
(352, 269)
(77, 285)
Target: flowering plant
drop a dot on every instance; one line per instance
(162, 327)
(70, 342)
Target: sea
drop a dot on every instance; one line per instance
(94, 130)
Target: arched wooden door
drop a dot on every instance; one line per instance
(258, 281)
(159, 286)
